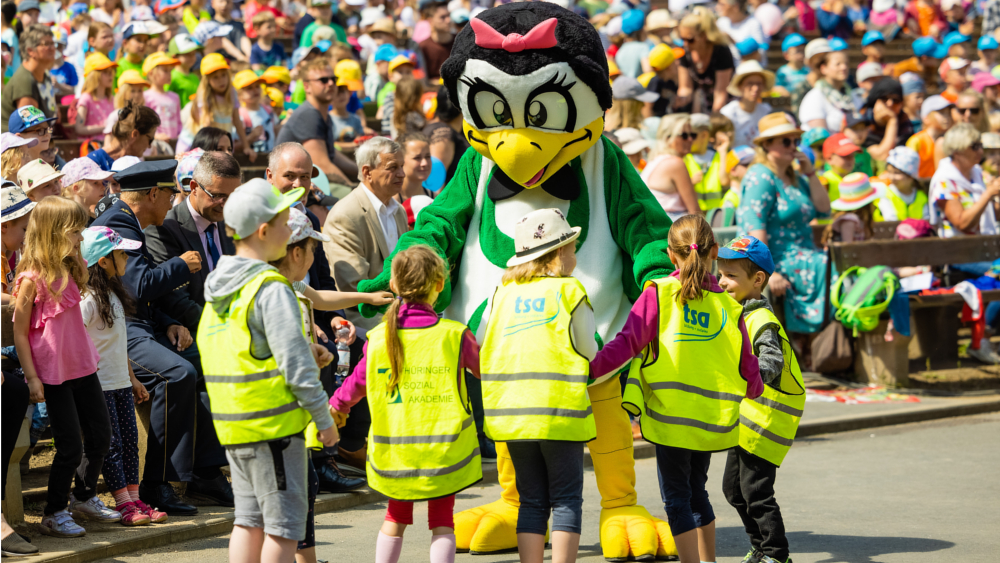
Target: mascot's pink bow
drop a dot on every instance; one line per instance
(542, 36)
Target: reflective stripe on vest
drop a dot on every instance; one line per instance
(768, 423)
(250, 399)
(709, 189)
(534, 382)
(422, 442)
(915, 210)
(689, 388)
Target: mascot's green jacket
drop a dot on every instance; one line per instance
(532, 82)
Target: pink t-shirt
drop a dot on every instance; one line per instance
(168, 106)
(97, 112)
(60, 346)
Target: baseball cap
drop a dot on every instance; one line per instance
(983, 80)
(742, 154)
(35, 173)
(100, 241)
(912, 83)
(15, 202)
(883, 5)
(952, 63)
(632, 21)
(990, 141)
(138, 28)
(132, 76)
(301, 228)
(399, 61)
(97, 61)
(245, 79)
(209, 29)
(186, 163)
(158, 58)
(814, 135)
(700, 122)
(837, 44)
(254, 204)
(986, 43)
(356, 2)
(661, 57)
(12, 141)
(956, 38)
(750, 248)
(748, 46)
(28, 5)
(838, 144)
(276, 98)
(460, 16)
(26, 117)
(871, 37)
(627, 88)
(141, 13)
(124, 163)
(868, 71)
(83, 169)
(182, 45)
(632, 140)
(348, 73)
(385, 53)
(164, 5)
(817, 47)
(792, 40)
(213, 62)
(298, 55)
(275, 74)
(905, 159)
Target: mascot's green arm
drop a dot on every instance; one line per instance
(443, 226)
(638, 222)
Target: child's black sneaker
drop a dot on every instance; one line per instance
(753, 556)
(769, 559)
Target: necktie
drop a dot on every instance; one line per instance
(210, 242)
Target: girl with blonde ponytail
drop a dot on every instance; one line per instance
(423, 443)
(696, 366)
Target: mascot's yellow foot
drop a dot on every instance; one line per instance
(490, 528)
(631, 532)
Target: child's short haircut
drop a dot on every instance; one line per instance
(261, 18)
(748, 266)
(167, 19)
(718, 123)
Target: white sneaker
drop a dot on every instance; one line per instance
(93, 509)
(984, 354)
(61, 525)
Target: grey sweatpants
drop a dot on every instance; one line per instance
(270, 486)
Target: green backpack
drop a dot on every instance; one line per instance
(870, 295)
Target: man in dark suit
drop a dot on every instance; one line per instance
(161, 350)
(196, 226)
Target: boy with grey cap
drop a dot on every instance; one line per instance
(262, 376)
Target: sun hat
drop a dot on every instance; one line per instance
(933, 104)
(12, 141)
(370, 15)
(906, 160)
(132, 76)
(158, 58)
(990, 140)
(209, 29)
(837, 44)
(912, 83)
(35, 173)
(26, 117)
(660, 19)
(792, 40)
(124, 163)
(399, 61)
(383, 25)
(255, 203)
(632, 140)
(776, 124)
(838, 144)
(97, 61)
(627, 88)
(868, 71)
(182, 44)
(928, 47)
(817, 47)
(983, 80)
(83, 169)
(742, 154)
(956, 38)
(750, 248)
(186, 163)
(745, 69)
(539, 233)
(385, 53)
(661, 57)
(856, 192)
(245, 79)
(15, 203)
(632, 21)
(301, 228)
(213, 62)
(814, 136)
(98, 242)
(748, 46)
(275, 74)
(871, 37)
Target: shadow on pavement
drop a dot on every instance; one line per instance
(859, 549)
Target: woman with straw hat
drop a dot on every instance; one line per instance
(777, 205)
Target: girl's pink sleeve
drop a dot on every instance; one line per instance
(354, 387)
(470, 353)
(641, 328)
(749, 367)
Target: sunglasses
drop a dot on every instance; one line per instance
(977, 146)
(687, 39)
(687, 136)
(325, 79)
(788, 142)
(970, 111)
(894, 101)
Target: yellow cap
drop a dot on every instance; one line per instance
(399, 61)
(645, 79)
(613, 69)
(158, 58)
(661, 57)
(213, 62)
(132, 76)
(275, 74)
(97, 61)
(245, 79)
(352, 85)
(277, 99)
(347, 68)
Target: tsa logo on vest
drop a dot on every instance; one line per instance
(532, 311)
(697, 325)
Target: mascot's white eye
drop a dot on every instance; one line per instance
(549, 110)
(493, 110)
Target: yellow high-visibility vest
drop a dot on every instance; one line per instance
(768, 423)
(915, 210)
(422, 443)
(709, 189)
(250, 399)
(534, 381)
(689, 388)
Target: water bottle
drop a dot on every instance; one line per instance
(343, 352)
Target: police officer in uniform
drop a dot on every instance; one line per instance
(182, 445)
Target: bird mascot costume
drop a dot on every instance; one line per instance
(532, 82)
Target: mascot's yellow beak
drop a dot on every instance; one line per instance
(529, 156)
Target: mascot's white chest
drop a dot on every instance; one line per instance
(599, 259)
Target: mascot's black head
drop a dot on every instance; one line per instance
(531, 80)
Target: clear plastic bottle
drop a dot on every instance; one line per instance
(343, 352)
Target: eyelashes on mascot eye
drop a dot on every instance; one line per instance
(549, 106)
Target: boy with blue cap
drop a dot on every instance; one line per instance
(768, 423)
(928, 54)
(957, 44)
(794, 72)
(987, 55)
(873, 47)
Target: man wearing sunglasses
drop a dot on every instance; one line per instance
(882, 113)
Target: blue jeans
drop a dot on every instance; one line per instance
(549, 476)
(682, 474)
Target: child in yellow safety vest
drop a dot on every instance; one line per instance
(537, 347)
(694, 366)
(422, 444)
(901, 198)
(767, 424)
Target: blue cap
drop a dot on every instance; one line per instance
(26, 117)
(871, 37)
(385, 53)
(302, 52)
(986, 43)
(814, 135)
(750, 248)
(925, 47)
(792, 40)
(78, 8)
(837, 44)
(98, 242)
(955, 38)
(148, 175)
(323, 46)
(28, 5)
(747, 46)
(632, 21)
